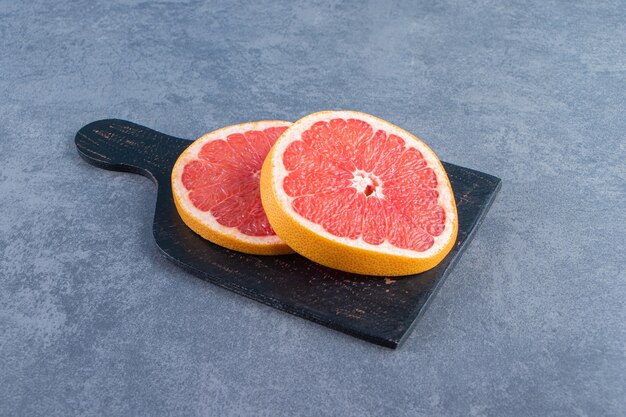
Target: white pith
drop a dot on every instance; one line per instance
(205, 217)
(362, 179)
(445, 200)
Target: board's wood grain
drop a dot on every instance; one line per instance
(375, 309)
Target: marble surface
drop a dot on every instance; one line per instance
(531, 322)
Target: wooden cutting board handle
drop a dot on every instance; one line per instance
(119, 145)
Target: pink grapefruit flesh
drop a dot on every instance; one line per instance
(350, 183)
(216, 187)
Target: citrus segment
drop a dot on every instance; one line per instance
(215, 183)
(356, 193)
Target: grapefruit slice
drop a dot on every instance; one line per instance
(215, 183)
(356, 193)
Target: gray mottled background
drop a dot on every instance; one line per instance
(93, 321)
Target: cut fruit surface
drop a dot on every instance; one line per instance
(215, 183)
(356, 193)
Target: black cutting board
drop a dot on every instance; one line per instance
(377, 309)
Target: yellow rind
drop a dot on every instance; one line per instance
(336, 255)
(224, 240)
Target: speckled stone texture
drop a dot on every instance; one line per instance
(531, 322)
